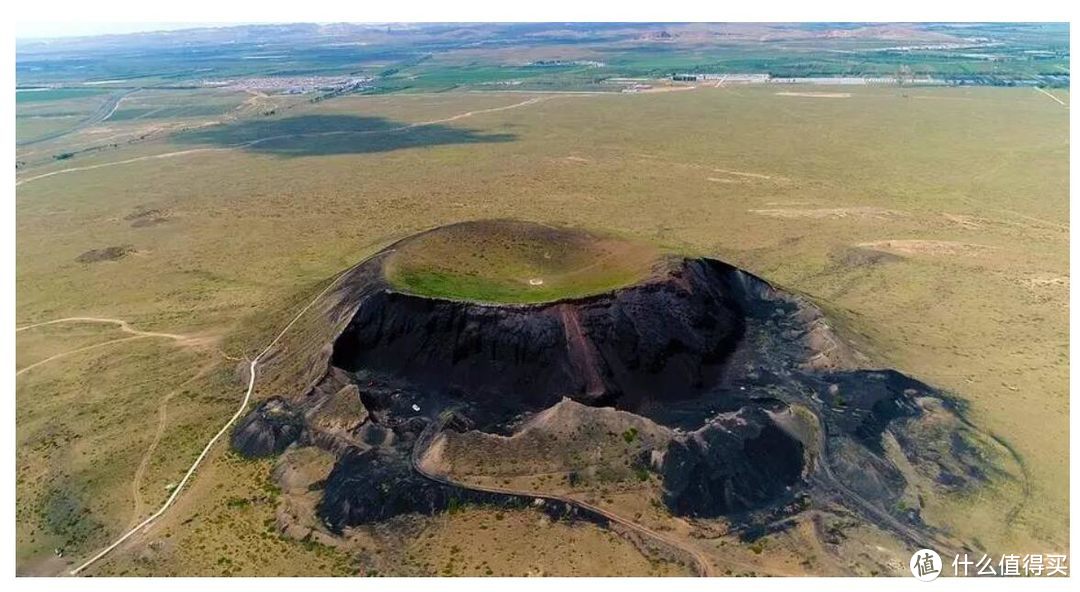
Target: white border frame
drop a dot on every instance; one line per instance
(247, 11)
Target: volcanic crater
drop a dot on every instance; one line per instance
(502, 343)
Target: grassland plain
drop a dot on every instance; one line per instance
(45, 113)
(931, 223)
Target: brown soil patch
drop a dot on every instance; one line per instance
(146, 217)
(965, 221)
(1047, 280)
(856, 257)
(743, 174)
(144, 222)
(106, 254)
(144, 213)
(864, 213)
(911, 247)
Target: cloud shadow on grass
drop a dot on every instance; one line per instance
(323, 135)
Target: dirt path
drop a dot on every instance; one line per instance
(122, 324)
(525, 103)
(743, 174)
(75, 351)
(1059, 101)
(653, 159)
(252, 371)
(136, 481)
(410, 126)
(870, 511)
(135, 334)
(1054, 225)
(704, 566)
(119, 162)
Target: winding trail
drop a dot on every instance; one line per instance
(525, 103)
(248, 144)
(144, 464)
(123, 325)
(703, 565)
(118, 162)
(868, 509)
(75, 351)
(252, 368)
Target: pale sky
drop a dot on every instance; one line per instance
(41, 30)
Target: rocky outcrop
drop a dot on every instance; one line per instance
(335, 422)
(268, 430)
(863, 403)
(739, 461)
(374, 485)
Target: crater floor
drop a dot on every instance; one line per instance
(508, 261)
(635, 380)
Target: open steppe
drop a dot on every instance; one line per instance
(931, 224)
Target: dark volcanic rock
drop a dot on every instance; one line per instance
(374, 485)
(268, 429)
(739, 461)
(667, 338)
(863, 403)
(762, 404)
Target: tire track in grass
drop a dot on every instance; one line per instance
(403, 128)
(252, 371)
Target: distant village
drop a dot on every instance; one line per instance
(975, 79)
(825, 80)
(294, 85)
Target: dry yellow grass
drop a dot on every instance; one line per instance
(249, 234)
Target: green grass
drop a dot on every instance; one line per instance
(54, 111)
(249, 237)
(55, 94)
(84, 423)
(157, 105)
(516, 262)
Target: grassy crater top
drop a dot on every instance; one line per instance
(513, 262)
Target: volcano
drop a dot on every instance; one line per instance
(480, 335)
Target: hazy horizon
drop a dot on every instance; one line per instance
(26, 31)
